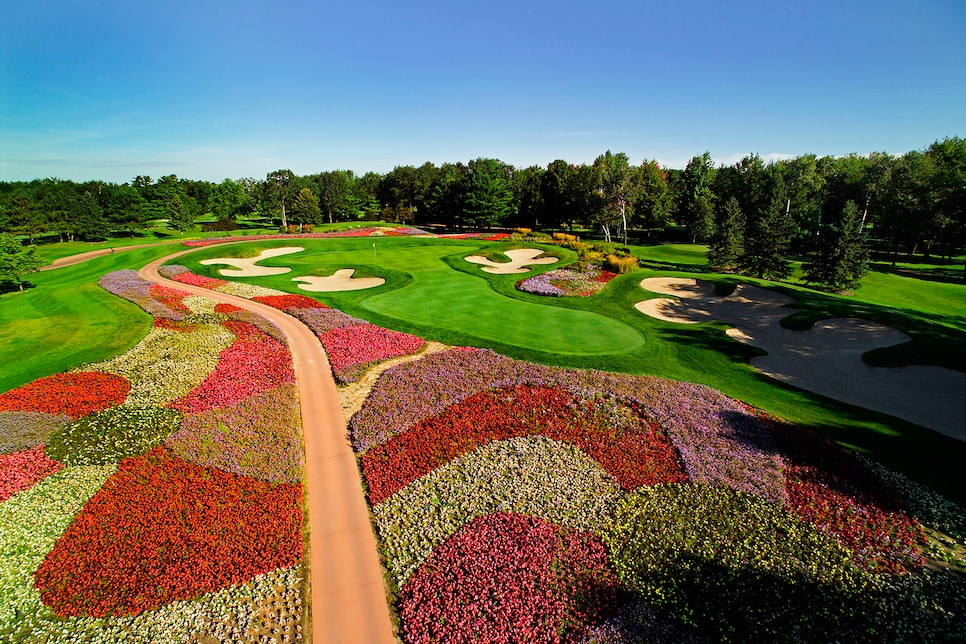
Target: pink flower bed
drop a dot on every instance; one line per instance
(352, 347)
(354, 232)
(198, 280)
(254, 363)
(510, 578)
(20, 470)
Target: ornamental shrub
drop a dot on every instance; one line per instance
(620, 265)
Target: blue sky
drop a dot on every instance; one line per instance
(209, 89)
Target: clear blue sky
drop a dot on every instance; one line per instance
(210, 89)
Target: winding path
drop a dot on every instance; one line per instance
(348, 592)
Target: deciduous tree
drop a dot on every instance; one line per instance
(17, 260)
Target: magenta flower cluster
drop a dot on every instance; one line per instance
(133, 288)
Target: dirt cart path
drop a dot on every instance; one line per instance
(348, 593)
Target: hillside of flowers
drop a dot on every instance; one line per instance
(352, 345)
(519, 502)
(156, 496)
(568, 282)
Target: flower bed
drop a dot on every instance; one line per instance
(166, 364)
(21, 430)
(291, 301)
(73, 394)
(717, 439)
(132, 287)
(351, 349)
(254, 363)
(521, 475)
(633, 450)
(509, 578)
(831, 488)
(195, 552)
(264, 441)
(21, 470)
(746, 529)
(112, 435)
(176, 530)
(567, 282)
(738, 566)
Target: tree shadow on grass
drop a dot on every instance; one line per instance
(13, 287)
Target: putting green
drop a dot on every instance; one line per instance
(440, 297)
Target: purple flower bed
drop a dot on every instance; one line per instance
(21, 430)
(567, 282)
(718, 440)
(322, 321)
(133, 288)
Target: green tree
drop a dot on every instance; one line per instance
(768, 236)
(617, 190)
(485, 193)
(727, 243)
(181, 212)
(17, 260)
(654, 201)
(696, 205)
(841, 259)
(228, 201)
(305, 208)
(276, 190)
(526, 196)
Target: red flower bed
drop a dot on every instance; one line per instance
(254, 363)
(74, 394)
(284, 302)
(632, 448)
(170, 297)
(509, 578)
(224, 307)
(497, 237)
(162, 529)
(198, 280)
(829, 487)
(606, 276)
(22, 469)
(174, 325)
(360, 344)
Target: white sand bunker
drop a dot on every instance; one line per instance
(520, 258)
(341, 280)
(827, 359)
(247, 266)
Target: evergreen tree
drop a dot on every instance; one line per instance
(305, 209)
(727, 243)
(841, 258)
(767, 239)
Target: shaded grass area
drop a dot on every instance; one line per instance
(65, 319)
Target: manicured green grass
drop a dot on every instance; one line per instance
(432, 292)
(463, 305)
(66, 319)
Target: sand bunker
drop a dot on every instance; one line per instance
(827, 359)
(247, 266)
(520, 258)
(341, 280)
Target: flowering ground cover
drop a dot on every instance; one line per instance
(718, 522)
(20, 470)
(559, 577)
(21, 430)
(568, 282)
(72, 394)
(176, 530)
(132, 287)
(107, 535)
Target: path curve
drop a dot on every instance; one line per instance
(70, 260)
(348, 592)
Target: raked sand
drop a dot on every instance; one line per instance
(341, 280)
(248, 266)
(520, 258)
(826, 359)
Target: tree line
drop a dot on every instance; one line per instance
(753, 213)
